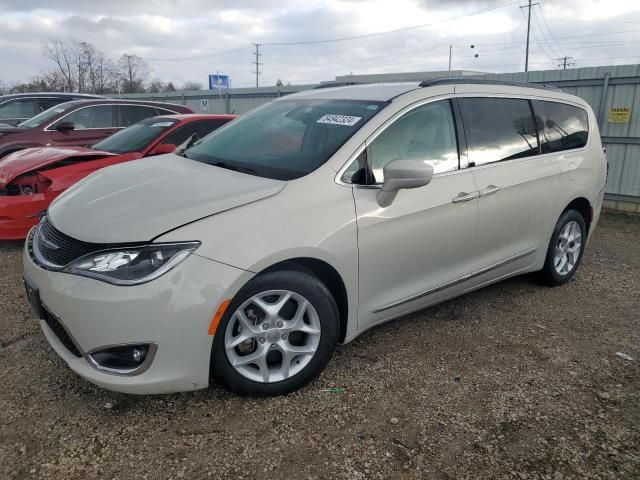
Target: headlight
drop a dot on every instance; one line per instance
(134, 265)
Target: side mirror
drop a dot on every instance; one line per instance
(400, 174)
(162, 149)
(65, 126)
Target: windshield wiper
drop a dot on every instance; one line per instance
(187, 144)
(236, 168)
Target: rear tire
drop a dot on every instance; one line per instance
(278, 334)
(565, 250)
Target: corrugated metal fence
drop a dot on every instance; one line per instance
(605, 88)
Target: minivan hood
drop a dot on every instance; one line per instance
(137, 201)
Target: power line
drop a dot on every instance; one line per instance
(544, 21)
(198, 57)
(554, 51)
(397, 30)
(565, 37)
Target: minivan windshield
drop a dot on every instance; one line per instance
(285, 139)
(136, 137)
(47, 115)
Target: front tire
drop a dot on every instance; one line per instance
(277, 335)
(565, 250)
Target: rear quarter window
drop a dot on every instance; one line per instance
(561, 126)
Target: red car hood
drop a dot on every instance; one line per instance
(29, 159)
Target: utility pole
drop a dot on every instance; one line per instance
(565, 62)
(450, 47)
(526, 58)
(257, 62)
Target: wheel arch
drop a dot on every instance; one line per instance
(327, 275)
(584, 208)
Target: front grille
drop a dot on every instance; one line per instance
(58, 249)
(57, 328)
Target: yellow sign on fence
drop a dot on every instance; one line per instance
(619, 114)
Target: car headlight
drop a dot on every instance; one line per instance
(132, 265)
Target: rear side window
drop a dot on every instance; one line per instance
(561, 126)
(17, 109)
(498, 129)
(95, 116)
(201, 127)
(130, 114)
(47, 103)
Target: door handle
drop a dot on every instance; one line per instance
(465, 197)
(490, 190)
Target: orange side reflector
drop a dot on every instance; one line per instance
(216, 318)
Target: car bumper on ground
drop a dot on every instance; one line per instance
(173, 312)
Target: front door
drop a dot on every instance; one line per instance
(90, 125)
(415, 251)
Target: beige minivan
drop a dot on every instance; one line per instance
(305, 222)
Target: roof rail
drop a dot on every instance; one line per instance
(335, 84)
(475, 81)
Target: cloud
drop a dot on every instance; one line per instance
(183, 40)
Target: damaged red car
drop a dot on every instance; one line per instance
(31, 178)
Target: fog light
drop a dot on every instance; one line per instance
(138, 354)
(123, 359)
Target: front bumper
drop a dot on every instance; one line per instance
(18, 214)
(173, 311)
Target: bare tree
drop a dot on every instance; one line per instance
(52, 81)
(63, 57)
(192, 86)
(132, 72)
(156, 86)
(102, 72)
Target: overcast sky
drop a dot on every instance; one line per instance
(187, 39)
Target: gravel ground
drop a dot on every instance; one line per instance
(514, 381)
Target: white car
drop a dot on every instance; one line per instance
(307, 221)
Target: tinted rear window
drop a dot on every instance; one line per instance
(561, 126)
(130, 114)
(498, 129)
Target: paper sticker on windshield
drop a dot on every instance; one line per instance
(333, 119)
(162, 124)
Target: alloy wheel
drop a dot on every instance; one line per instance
(272, 336)
(568, 248)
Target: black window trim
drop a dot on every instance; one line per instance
(531, 99)
(116, 114)
(461, 133)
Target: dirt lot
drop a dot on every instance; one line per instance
(514, 381)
